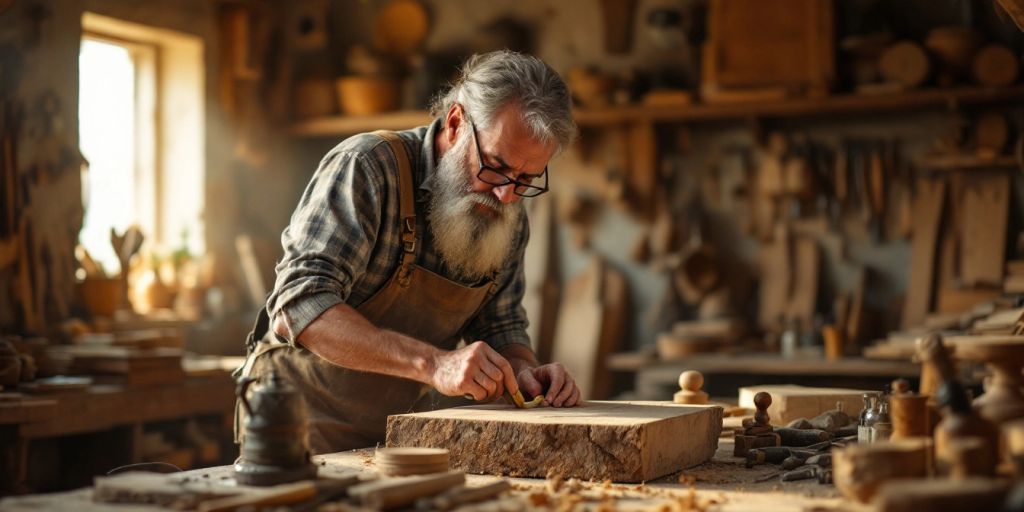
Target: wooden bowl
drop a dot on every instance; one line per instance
(367, 95)
(671, 347)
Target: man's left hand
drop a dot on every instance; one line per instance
(560, 386)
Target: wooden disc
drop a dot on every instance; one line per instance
(414, 471)
(996, 66)
(905, 63)
(401, 27)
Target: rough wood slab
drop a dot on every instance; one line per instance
(790, 402)
(618, 441)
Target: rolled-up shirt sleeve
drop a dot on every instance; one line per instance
(328, 241)
(502, 320)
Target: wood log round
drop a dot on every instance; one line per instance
(859, 470)
(995, 66)
(970, 457)
(905, 63)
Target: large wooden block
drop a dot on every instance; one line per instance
(618, 441)
(791, 402)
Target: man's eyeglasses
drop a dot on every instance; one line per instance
(527, 185)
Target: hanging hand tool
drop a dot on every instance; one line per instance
(876, 188)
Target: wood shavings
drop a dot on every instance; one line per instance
(539, 499)
(553, 482)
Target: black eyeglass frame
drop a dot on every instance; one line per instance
(507, 180)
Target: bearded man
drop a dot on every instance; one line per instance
(403, 262)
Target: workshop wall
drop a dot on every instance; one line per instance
(255, 159)
(570, 35)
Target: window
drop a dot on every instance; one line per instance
(141, 127)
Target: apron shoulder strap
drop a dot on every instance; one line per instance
(406, 197)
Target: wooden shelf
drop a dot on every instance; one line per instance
(761, 364)
(348, 125)
(966, 163)
(797, 107)
(804, 107)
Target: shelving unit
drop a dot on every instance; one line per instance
(966, 163)
(348, 125)
(798, 107)
(806, 107)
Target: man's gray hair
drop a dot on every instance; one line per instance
(489, 82)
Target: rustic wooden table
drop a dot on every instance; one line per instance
(723, 482)
(725, 373)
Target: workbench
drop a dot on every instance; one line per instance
(655, 379)
(100, 409)
(723, 480)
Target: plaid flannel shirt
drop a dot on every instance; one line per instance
(343, 241)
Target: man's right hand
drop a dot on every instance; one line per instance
(475, 370)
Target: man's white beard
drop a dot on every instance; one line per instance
(471, 243)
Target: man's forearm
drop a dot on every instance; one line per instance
(343, 336)
(519, 356)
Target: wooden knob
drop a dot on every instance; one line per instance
(900, 387)
(762, 401)
(691, 380)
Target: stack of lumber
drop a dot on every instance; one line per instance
(136, 338)
(129, 367)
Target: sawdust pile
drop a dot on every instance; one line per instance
(560, 494)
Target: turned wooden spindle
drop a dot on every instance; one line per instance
(690, 384)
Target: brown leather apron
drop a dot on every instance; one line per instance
(348, 409)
